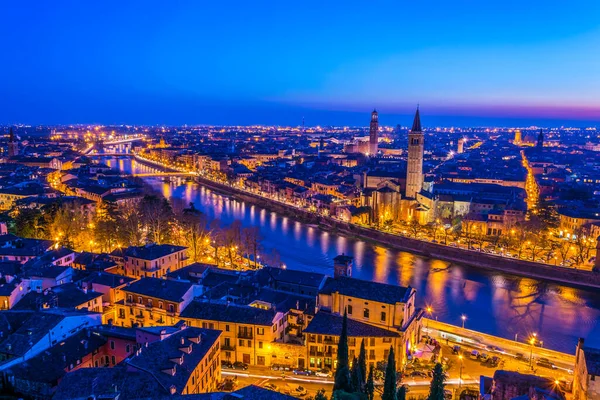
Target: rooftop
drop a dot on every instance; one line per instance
(325, 323)
(159, 288)
(375, 291)
(181, 351)
(224, 312)
(152, 251)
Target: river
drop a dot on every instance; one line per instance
(494, 303)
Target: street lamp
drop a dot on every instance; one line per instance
(532, 343)
(463, 317)
(460, 357)
(429, 311)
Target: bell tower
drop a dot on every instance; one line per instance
(414, 167)
(342, 266)
(373, 133)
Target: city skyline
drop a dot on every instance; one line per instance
(482, 65)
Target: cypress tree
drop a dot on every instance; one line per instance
(355, 376)
(436, 391)
(401, 395)
(342, 373)
(389, 385)
(362, 364)
(370, 385)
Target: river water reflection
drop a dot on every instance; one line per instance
(493, 303)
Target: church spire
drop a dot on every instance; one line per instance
(416, 127)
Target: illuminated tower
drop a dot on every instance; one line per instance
(540, 142)
(517, 139)
(373, 131)
(414, 169)
(13, 145)
(461, 146)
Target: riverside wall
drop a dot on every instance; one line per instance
(563, 275)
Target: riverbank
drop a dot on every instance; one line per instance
(523, 268)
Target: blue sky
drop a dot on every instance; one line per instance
(240, 62)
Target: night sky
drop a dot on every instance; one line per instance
(466, 62)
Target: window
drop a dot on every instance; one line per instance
(160, 305)
(241, 342)
(139, 299)
(373, 342)
(383, 316)
(366, 313)
(112, 344)
(349, 309)
(171, 308)
(113, 360)
(260, 331)
(226, 328)
(260, 345)
(127, 348)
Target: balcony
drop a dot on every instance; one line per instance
(245, 334)
(139, 316)
(228, 347)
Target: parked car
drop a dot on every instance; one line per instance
(271, 386)
(519, 356)
(324, 373)
(544, 362)
(483, 357)
(226, 364)
(240, 365)
(447, 394)
(474, 355)
(302, 372)
(456, 349)
(299, 391)
(494, 361)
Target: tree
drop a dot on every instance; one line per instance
(370, 385)
(190, 231)
(320, 395)
(156, 215)
(131, 232)
(436, 390)
(342, 373)
(584, 245)
(401, 395)
(30, 223)
(362, 365)
(355, 376)
(389, 384)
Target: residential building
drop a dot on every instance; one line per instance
(154, 260)
(187, 361)
(249, 333)
(586, 374)
(154, 302)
